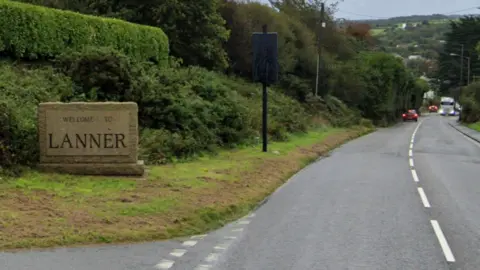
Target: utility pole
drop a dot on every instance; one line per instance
(319, 47)
(461, 66)
(468, 70)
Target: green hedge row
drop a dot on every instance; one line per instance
(34, 32)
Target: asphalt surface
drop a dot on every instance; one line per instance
(360, 208)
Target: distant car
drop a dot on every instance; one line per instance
(433, 108)
(410, 115)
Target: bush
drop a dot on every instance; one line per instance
(34, 32)
(470, 100)
(193, 110)
(20, 92)
(183, 111)
(99, 74)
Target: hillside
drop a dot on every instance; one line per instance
(413, 35)
(434, 18)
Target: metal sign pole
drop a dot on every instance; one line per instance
(264, 101)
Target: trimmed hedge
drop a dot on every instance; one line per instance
(34, 32)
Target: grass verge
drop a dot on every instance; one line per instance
(475, 126)
(45, 210)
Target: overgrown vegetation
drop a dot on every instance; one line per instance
(186, 109)
(194, 101)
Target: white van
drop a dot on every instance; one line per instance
(447, 106)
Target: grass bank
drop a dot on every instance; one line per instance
(45, 210)
(475, 126)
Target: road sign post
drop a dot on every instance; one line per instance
(265, 69)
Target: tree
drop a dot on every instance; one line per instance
(464, 32)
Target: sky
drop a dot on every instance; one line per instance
(379, 9)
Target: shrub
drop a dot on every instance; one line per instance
(183, 111)
(193, 110)
(470, 100)
(100, 74)
(20, 92)
(35, 32)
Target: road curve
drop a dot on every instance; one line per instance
(357, 209)
(378, 202)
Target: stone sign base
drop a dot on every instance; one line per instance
(89, 138)
(118, 169)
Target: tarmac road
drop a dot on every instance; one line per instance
(360, 208)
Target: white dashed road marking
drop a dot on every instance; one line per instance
(414, 175)
(199, 237)
(244, 222)
(203, 267)
(178, 252)
(443, 242)
(423, 197)
(212, 257)
(164, 264)
(189, 243)
(436, 227)
(222, 246)
(237, 230)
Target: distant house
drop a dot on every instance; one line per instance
(410, 26)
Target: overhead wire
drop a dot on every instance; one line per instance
(386, 18)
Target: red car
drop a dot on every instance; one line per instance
(433, 108)
(410, 115)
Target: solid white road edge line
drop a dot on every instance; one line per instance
(414, 175)
(443, 242)
(423, 197)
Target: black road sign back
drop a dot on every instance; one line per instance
(265, 57)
